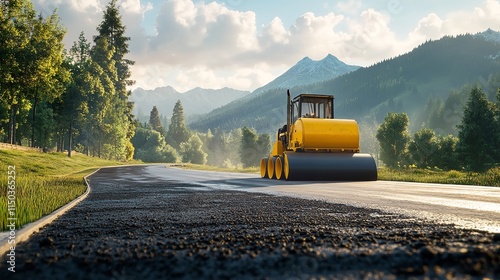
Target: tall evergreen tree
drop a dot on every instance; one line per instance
(476, 143)
(103, 113)
(75, 106)
(393, 137)
(155, 121)
(177, 130)
(113, 30)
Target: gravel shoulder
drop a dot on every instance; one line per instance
(158, 228)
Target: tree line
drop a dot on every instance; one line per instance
(73, 99)
(477, 147)
(241, 147)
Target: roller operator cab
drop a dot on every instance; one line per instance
(313, 145)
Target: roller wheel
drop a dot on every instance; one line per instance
(271, 162)
(278, 169)
(263, 168)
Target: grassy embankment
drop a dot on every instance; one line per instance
(489, 178)
(43, 182)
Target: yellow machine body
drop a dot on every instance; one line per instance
(326, 135)
(313, 145)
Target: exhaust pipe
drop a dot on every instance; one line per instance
(288, 117)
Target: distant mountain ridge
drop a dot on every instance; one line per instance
(489, 35)
(195, 101)
(401, 84)
(308, 71)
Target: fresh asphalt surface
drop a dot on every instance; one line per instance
(471, 207)
(153, 222)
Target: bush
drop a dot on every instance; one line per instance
(492, 177)
(192, 151)
(454, 174)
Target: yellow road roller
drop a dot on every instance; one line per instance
(313, 145)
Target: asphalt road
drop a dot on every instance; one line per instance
(471, 207)
(152, 222)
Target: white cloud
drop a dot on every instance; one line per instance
(486, 15)
(135, 7)
(370, 38)
(315, 34)
(207, 34)
(275, 33)
(210, 45)
(429, 27)
(184, 79)
(78, 16)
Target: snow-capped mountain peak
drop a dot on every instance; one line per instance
(489, 35)
(308, 71)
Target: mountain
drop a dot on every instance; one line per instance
(308, 71)
(402, 84)
(489, 35)
(196, 101)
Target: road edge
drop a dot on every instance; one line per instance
(26, 231)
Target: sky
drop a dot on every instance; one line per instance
(244, 44)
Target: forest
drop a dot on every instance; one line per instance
(78, 99)
(239, 148)
(73, 99)
(477, 147)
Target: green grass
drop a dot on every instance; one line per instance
(44, 182)
(489, 178)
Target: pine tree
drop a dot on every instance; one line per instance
(177, 130)
(393, 137)
(113, 29)
(476, 143)
(73, 106)
(103, 115)
(112, 32)
(155, 121)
